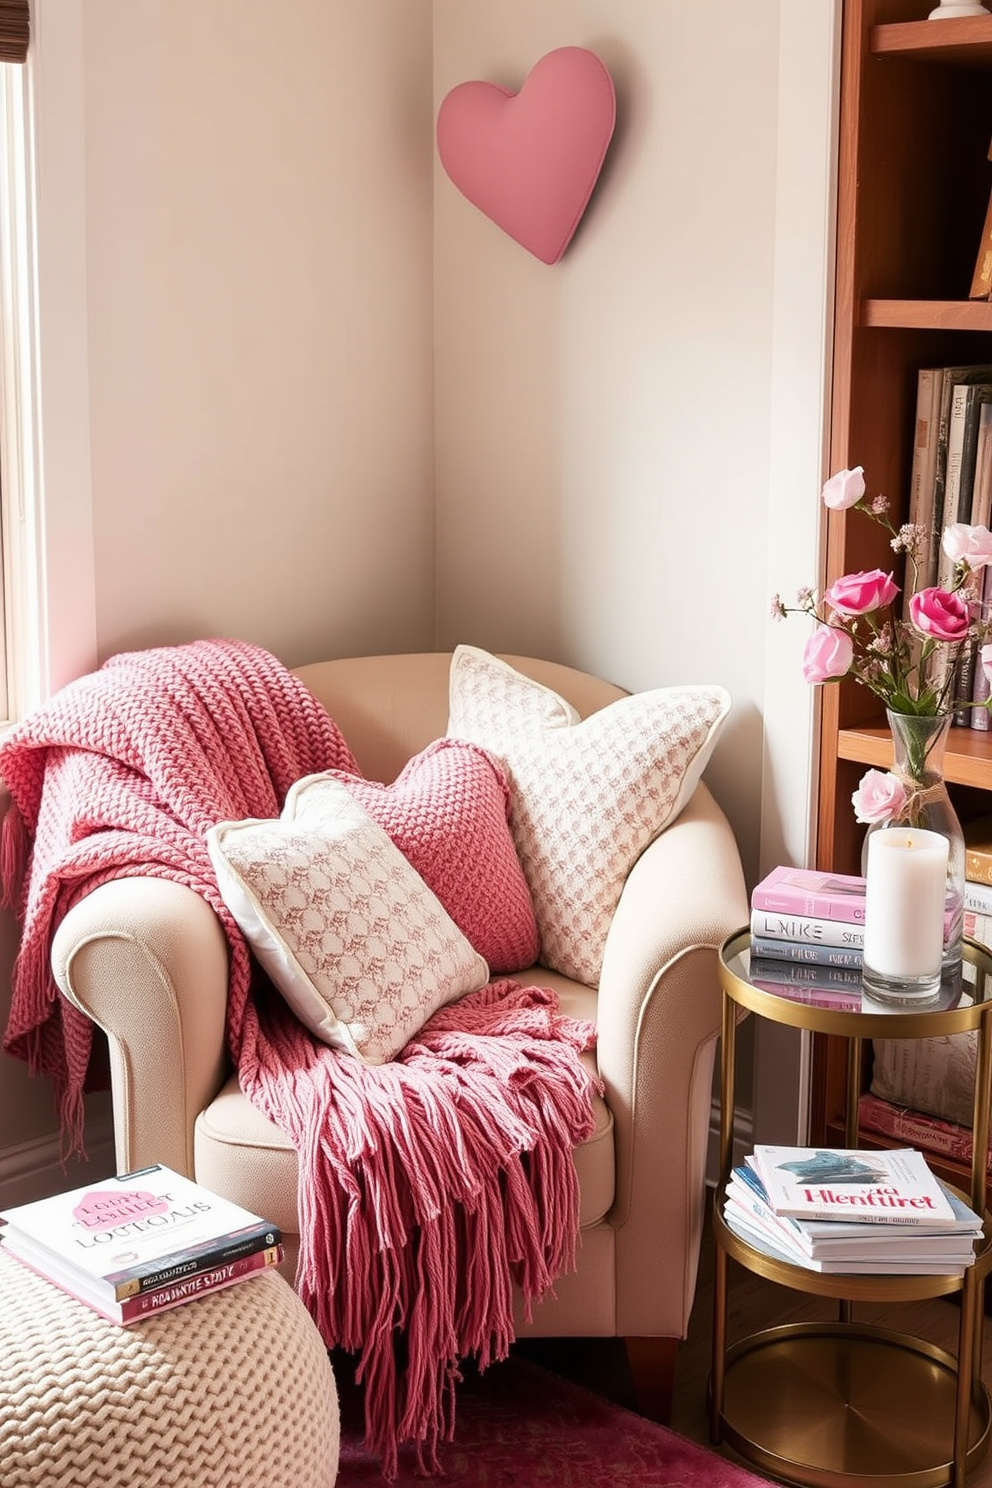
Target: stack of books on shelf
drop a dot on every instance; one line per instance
(807, 936)
(978, 879)
(921, 1090)
(951, 481)
(141, 1243)
(919, 1128)
(854, 1212)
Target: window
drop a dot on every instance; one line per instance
(45, 518)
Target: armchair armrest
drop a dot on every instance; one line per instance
(658, 1024)
(146, 959)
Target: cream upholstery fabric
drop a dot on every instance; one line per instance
(232, 1390)
(147, 960)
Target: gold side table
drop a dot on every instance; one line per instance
(832, 1404)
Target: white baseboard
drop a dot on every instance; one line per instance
(33, 1170)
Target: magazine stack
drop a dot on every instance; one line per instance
(137, 1244)
(807, 936)
(850, 1211)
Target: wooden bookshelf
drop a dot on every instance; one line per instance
(914, 181)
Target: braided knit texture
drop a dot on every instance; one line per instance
(121, 773)
(232, 1390)
(429, 1185)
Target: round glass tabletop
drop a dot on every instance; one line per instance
(841, 1005)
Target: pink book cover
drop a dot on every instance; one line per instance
(916, 1127)
(807, 891)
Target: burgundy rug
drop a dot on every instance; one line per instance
(519, 1426)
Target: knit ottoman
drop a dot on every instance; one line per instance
(232, 1390)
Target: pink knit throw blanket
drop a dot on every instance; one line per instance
(428, 1186)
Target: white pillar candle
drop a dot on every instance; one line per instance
(905, 892)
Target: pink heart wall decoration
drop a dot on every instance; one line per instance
(530, 160)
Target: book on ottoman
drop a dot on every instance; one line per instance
(135, 1244)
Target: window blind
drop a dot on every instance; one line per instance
(15, 30)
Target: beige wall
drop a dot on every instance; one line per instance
(258, 231)
(290, 317)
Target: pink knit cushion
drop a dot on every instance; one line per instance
(447, 812)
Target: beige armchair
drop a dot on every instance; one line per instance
(146, 960)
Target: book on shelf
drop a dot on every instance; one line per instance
(921, 481)
(917, 1128)
(977, 897)
(806, 954)
(807, 929)
(964, 692)
(981, 685)
(894, 1186)
(807, 891)
(127, 1236)
(967, 399)
(981, 499)
(981, 279)
(978, 927)
(978, 849)
(950, 378)
(935, 1074)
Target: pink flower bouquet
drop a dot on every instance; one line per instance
(911, 664)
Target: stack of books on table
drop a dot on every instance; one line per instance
(978, 880)
(854, 1212)
(807, 935)
(138, 1244)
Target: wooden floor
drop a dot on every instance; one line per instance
(753, 1304)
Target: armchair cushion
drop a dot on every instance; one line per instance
(358, 945)
(587, 796)
(448, 813)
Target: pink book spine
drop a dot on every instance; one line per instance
(147, 1304)
(824, 903)
(916, 1128)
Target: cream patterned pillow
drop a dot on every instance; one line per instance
(349, 933)
(586, 796)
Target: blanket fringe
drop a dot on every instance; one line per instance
(448, 1178)
(14, 851)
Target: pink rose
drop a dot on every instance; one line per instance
(857, 593)
(844, 489)
(879, 798)
(971, 545)
(829, 653)
(939, 614)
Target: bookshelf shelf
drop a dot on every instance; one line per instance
(914, 182)
(965, 41)
(927, 315)
(967, 759)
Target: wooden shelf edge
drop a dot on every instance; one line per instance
(967, 758)
(962, 40)
(927, 315)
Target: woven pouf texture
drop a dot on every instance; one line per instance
(232, 1390)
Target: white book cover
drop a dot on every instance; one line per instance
(884, 1187)
(136, 1231)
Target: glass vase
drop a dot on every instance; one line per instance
(918, 763)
